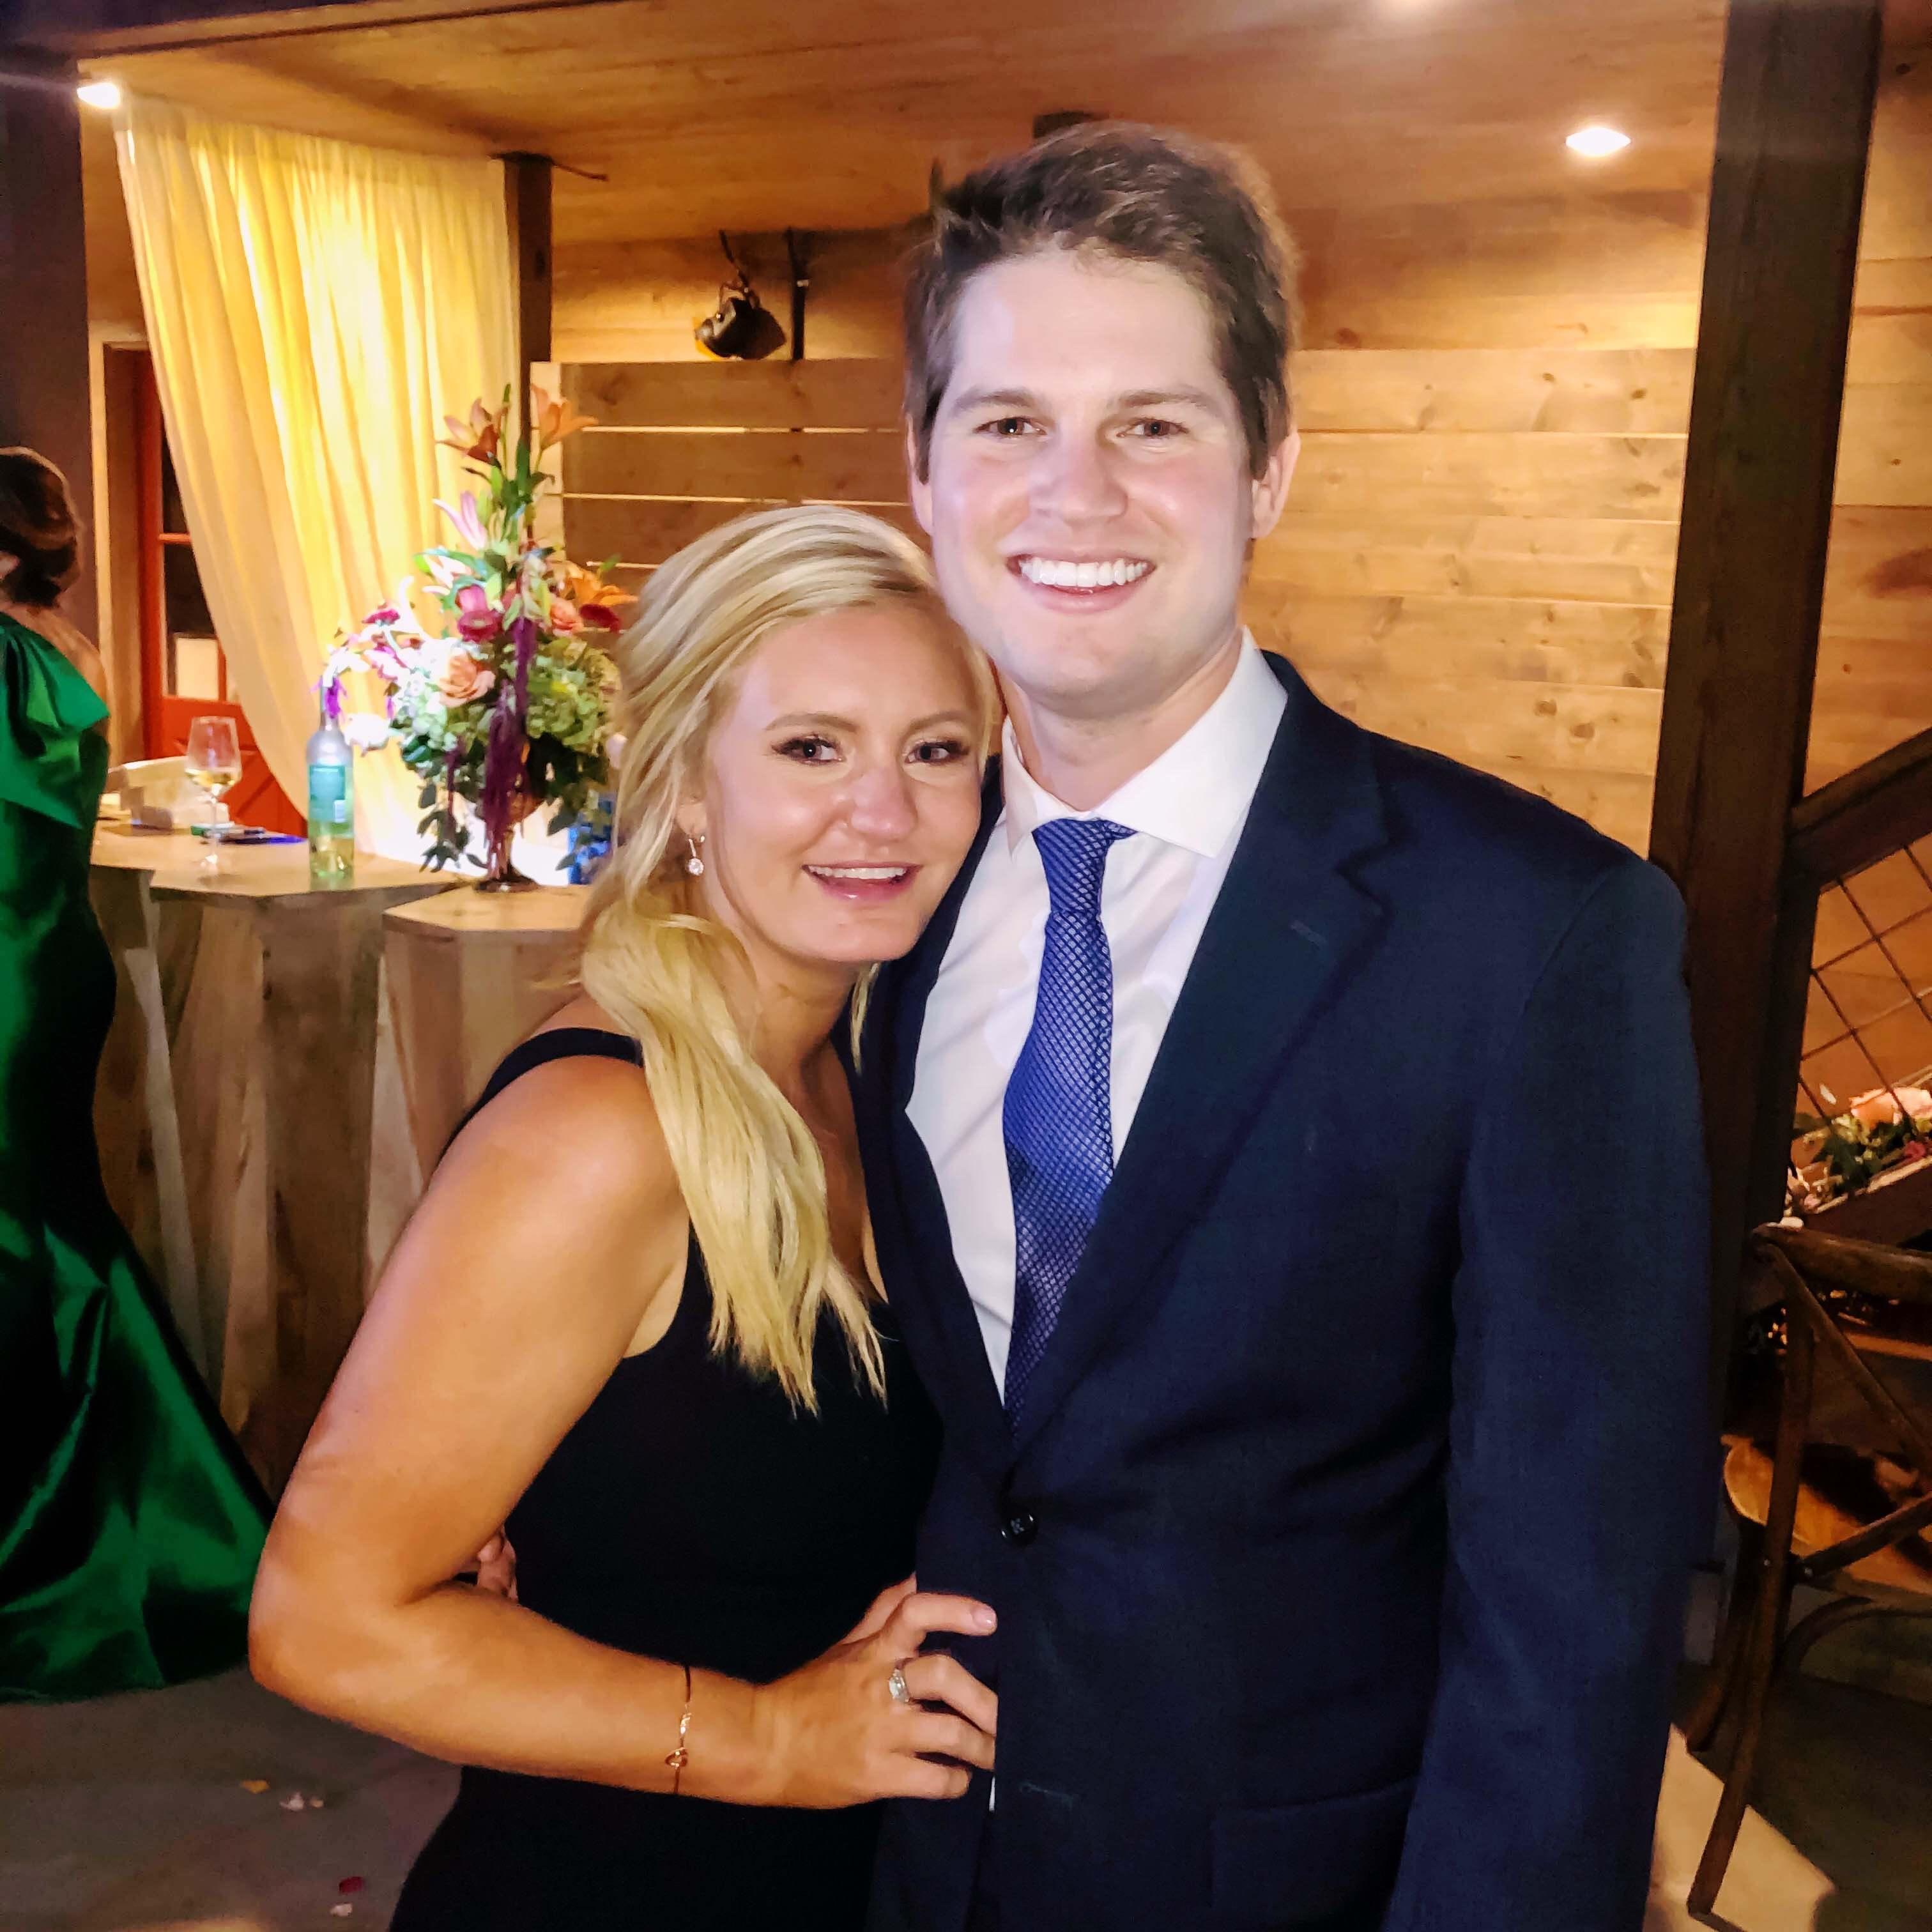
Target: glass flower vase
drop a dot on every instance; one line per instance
(499, 874)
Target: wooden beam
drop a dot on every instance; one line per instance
(44, 402)
(1794, 129)
(1857, 819)
(527, 201)
(837, 466)
(832, 393)
(84, 27)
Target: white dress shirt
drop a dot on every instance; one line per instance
(1186, 810)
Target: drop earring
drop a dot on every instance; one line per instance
(694, 866)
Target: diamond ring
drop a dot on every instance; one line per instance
(896, 1684)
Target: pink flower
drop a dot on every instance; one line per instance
(476, 617)
(469, 523)
(386, 660)
(564, 617)
(1915, 1150)
(479, 438)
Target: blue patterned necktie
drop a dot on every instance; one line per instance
(1059, 1107)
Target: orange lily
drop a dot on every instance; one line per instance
(556, 417)
(597, 602)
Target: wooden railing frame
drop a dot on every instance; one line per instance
(1836, 832)
(1880, 807)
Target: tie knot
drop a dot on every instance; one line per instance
(1074, 852)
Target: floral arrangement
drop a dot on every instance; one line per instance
(1888, 1127)
(506, 706)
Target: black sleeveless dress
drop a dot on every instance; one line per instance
(691, 1515)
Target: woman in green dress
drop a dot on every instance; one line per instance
(129, 1525)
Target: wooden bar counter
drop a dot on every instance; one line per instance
(236, 1107)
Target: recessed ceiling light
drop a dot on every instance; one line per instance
(104, 94)
(1597, 141)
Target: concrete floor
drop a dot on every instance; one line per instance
(129, 1814)
(1840, 1837)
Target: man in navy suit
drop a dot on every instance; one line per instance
(1285, 1163)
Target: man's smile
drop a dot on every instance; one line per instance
(1068, 573)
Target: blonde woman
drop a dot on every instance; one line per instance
(633, 1315)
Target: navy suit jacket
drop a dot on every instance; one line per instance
(1340, 1555)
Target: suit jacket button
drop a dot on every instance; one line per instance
(1020, 1527)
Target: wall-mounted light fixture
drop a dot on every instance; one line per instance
(104, 94)
(1596, 141)
(741, 328)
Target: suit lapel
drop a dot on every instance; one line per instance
(931, 1300)
(1286, 927)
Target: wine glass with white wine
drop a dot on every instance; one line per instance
(213, 764)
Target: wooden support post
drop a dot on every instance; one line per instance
(798, 255)
(43, 365)
(1794, 128)
(526, 198)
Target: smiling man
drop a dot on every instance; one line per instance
(1285, 1163)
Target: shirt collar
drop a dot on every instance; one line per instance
(1195, 794)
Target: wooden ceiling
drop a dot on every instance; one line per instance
(830, 113)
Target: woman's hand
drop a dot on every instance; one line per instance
(832, 1734)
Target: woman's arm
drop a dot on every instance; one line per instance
(552, 1232)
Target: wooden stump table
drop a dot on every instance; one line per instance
(134, 1097)
(238, 1099)
(466, 975)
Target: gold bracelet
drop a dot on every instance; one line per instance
(679, 1758)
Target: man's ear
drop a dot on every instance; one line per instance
(1269, 491)
(917, 487)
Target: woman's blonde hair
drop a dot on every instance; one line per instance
(753, 1178)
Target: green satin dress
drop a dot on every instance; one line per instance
(130, 1527)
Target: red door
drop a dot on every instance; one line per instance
(184, 675)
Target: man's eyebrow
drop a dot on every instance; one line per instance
(1148, 399)
(983, 398)
(969, 399)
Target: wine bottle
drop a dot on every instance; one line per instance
(331, 807)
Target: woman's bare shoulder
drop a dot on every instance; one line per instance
(73, 644)
(582, 1125)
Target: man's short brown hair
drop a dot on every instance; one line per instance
(1139, 194)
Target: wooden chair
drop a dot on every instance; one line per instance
(1835, 1515)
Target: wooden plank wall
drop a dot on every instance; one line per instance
(1478, 549)
(1478, 552)
(1874, 686)
(639, 303)
(681, 447)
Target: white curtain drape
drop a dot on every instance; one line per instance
(313, 309)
